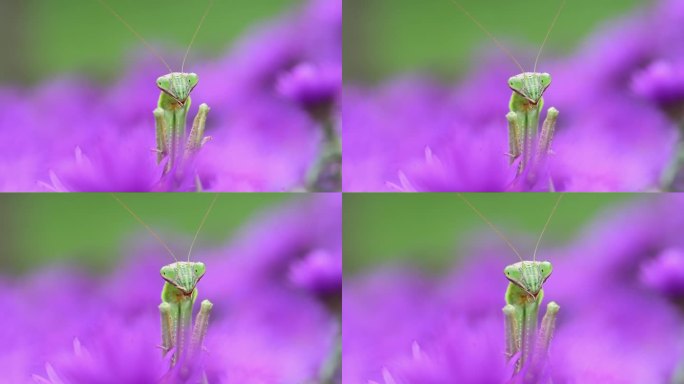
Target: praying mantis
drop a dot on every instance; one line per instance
(523, 297)
(525, 143)
(178, 297)
(172, 107)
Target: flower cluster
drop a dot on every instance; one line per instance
(69, 327)
(618, 285)
(70, 135)
(615, 131)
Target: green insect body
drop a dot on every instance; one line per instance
(526, 105)
(173, 144)
(523, 298)
(178, 332)
(526, 143)
(178, 299)
(527, 343)
(170, 119)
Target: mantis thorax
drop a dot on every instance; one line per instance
(183, 275)
(530, 276)
(178, 85)
(530, 85)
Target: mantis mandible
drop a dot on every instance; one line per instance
(178, 298)
(523, 298)
(524, 140)
(173, 105)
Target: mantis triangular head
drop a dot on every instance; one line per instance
(530, 85)
(178, 85)
(183, 275)
(530, 276)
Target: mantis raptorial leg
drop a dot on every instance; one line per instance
(173, 144)
(527, 144)
(178, 333)
(524, 295)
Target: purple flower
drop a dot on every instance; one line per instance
(105, 169)
(314, 88)
(124, 353)
(665, 274)
(661, 82)
(445, 360)
(319, 272)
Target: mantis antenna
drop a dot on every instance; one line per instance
(489, 34)
(548, 220)
(548, 33)
(149, 229)
(206, 214)
(130, 28)
(194, 35)
(492, 226)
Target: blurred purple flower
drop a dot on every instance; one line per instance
(662, 83)
(319, 273)
(665, 274)
(314, 88)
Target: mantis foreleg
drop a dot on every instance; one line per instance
(170, 120)
(176, 323)
(525, 141)
(200, 329)
(521, 322)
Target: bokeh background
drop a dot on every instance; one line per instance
(384, 38)
(93, 231)
(46, 38)
(427, 230)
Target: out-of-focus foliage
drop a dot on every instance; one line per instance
(388, 37)
(46, 38)
(91, 229)
(424, 229)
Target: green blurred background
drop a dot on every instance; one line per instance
(44, 38)
(387, 37)
(427, 229)
(92, 230)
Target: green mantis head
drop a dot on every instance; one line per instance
(183, 275)
(530, 85)
(530, 276)
(178, 85)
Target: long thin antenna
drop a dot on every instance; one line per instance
(206, 12)
(548, 33)
(501, 235)
(548, 220)
(150, 230)
(130, 28)
(206, 214)
(491, 36)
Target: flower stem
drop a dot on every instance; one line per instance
(326, 173)
(329, 371)
(673, 176)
